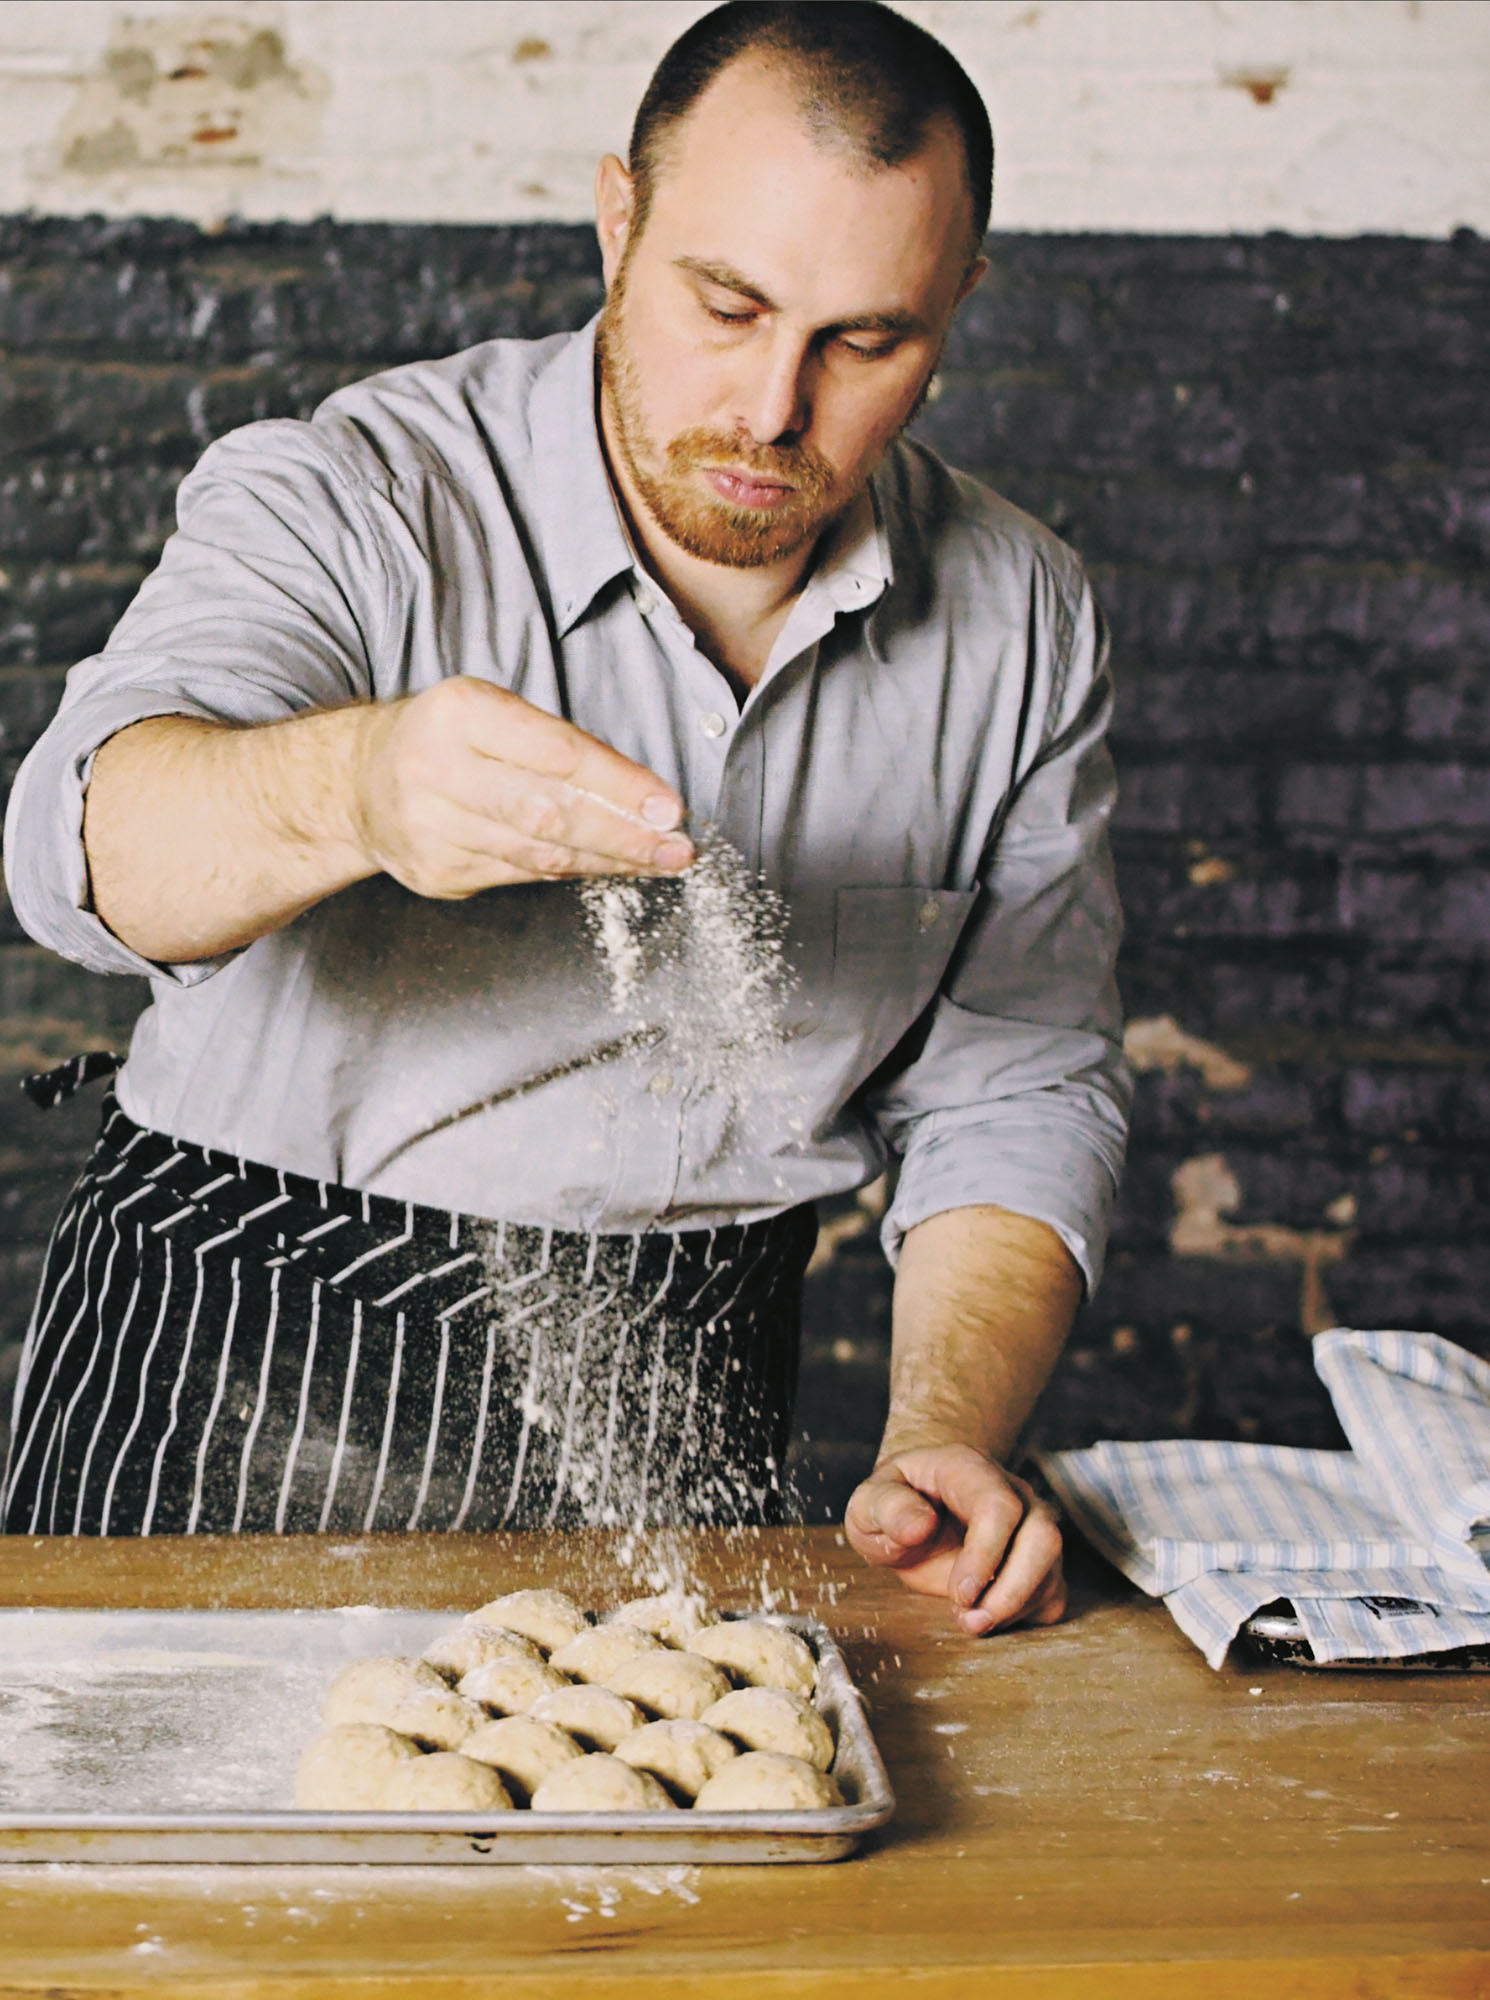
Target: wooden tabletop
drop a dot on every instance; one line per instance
(1084, 1811)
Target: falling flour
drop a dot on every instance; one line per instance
(616, 910)
(698, 965)
(615, 1384)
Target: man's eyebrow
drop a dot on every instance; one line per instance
(885, 322)
(725, 276)
(731, 280)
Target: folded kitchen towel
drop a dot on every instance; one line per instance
(1168, 1512)
(1220, 1529)
(1367, 1614)
(1417, 1412)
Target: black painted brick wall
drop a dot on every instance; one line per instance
(1274, 455)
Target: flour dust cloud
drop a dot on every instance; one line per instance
(641, 1401)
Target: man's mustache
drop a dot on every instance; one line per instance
(799, 466)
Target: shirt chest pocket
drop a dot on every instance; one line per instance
(891, 947)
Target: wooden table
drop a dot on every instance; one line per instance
(1084, 1811)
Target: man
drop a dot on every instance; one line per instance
(449, 1229)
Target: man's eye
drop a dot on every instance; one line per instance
(863, 353)
(723, 318)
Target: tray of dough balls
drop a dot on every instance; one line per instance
(532, 1730)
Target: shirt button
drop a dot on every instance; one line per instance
(661, 1083)
(646, 603)
(928, 914)
(714, 724)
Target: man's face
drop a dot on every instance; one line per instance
(775, 323)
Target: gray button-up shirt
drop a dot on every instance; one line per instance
(920, 775)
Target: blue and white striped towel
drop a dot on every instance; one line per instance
(1381, 1549)
(1417, 1410)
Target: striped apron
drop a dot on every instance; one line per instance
(220, 1347)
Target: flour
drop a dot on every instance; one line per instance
(619, 1385)
(600, 1892)
(698, 962)
(617, 910)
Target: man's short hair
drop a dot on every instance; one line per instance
(868, 78)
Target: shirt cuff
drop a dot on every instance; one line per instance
(1056, 1163)
(46, 866)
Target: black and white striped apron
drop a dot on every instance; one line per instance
(219, 1347)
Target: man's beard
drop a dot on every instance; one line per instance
(667, 476)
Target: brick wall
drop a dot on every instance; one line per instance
(1274, 454)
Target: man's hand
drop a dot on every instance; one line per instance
(467, 787)
(955, 1525)
(983, 1302)
(201, 838)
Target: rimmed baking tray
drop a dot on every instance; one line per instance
(169, 1736)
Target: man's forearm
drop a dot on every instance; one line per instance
(201, 838)
(983, 1303)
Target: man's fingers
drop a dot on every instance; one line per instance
(467, 770)
(987, 1543)
(887, 1516)
(505, 727)
(984, 1539)
(987, 1501)
(992, 1527)
(539, 823)
(1029, 1583)
(1048, 1606)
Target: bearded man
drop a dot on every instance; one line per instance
(426, 1200)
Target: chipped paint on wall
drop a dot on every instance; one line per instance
(190, 91)
(863, 1219)
(1160, 1043)
(1206, 1193)
(1196, 116)
(1261, 85)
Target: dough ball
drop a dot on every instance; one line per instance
(595, 1655)
(762, 1655)
(521, 1751)
(600, 1783)
(682, 1755)
(470, 1645)
(405, 1695)
(765, 1781)
(669, 1684)
(440, 1720)
(445, 1782)
(765, 1718)
(364, 1690)
(510, 1687)
(674, 1616)
(594, 1716)
(547, 1617)
(346, 1768)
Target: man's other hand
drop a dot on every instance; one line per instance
(955, 1525)
(465, 786)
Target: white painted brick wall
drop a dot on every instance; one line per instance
(1109, 114)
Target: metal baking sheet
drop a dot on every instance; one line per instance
(167, 1736)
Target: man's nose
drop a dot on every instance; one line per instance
(780, 398)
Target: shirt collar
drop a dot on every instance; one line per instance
(579, 523)
(854, 566)
(584, 538)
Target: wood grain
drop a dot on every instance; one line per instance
(1087, 1813)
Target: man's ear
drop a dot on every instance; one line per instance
(976, 272)
(615, 206)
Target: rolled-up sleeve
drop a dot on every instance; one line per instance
(270, 598)
(1019, 1094)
